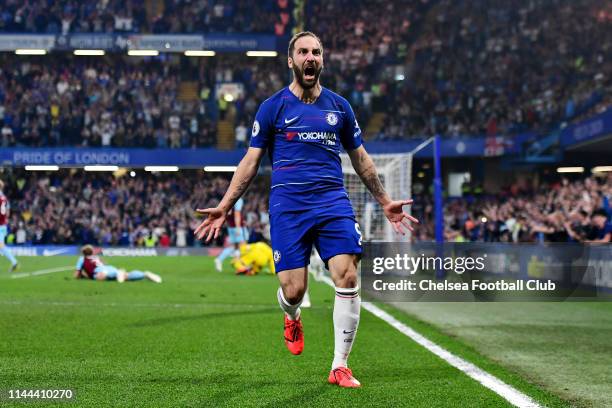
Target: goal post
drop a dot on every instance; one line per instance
(395, 173)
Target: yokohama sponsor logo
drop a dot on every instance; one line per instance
(317, 136)
(325, 137)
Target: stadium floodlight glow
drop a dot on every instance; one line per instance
(89, 52)
(601, 169)
(261, 53)
(32, 51)
(200, 53)
(161, 168)
(220, 168)
(570, 170)
(143, 53)
(98, 167)
(400, 77)
(41, 167)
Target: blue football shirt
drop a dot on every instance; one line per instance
(607, 229)
(304, 142)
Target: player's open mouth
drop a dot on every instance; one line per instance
(309, 73)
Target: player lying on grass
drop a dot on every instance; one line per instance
(254, 258)
(304, 127)
(90, 266)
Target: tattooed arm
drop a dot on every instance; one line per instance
(246, 171)
(364, 166)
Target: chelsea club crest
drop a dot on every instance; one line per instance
(255, 131)
(331, 118)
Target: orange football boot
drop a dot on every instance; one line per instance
(343, 376)
(294, 335)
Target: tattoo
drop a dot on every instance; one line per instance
(242, 184)
(239, 184)
(369, 176)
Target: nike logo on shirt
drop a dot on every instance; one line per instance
(287, 121)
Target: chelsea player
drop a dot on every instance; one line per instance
(303, 127)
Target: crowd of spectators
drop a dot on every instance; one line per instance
(74, 207)
(259, 78)
(489, 67)
(118, 102)
(483, 67)
(133, 16)
(557, 211)
(61, 16)
(234, 16)
(363, 45)
(66, 101)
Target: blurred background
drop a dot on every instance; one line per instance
(519, 96)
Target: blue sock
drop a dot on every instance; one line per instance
(135, 275)
(226, 253)
(9, 255)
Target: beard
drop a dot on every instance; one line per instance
(298, 74)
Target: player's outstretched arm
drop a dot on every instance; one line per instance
(246, 171)
(364, 166)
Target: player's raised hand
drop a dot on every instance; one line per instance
(211, 226)
(397, 217)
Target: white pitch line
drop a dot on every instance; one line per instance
(509, 393)
(42, 272)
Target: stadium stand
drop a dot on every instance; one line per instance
(120, 102)
(73, 207)
(552, 210)
(106, 210)
(169, 16)
(424, 68)
(489, 67)
(482, 67)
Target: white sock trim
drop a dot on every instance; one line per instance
(347, 290)
(292, 311)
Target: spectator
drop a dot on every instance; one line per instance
(560, 211)
(106, 210)
(241, 135)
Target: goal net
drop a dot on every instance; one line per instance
(395, 173)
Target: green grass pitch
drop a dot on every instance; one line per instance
(204, 338)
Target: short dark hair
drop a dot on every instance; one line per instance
(300, 35)
(600, 212)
